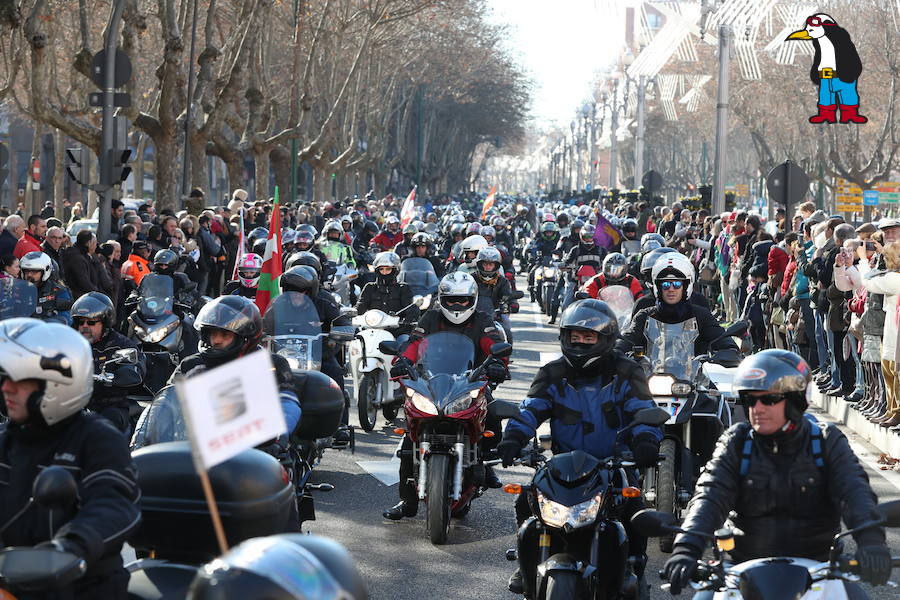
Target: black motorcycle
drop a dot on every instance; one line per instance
(574, 545)
(771, 578)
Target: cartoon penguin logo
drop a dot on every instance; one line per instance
(835, 69)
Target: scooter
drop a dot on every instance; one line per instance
(371, 369)
(772, 578)
(574, 545)
(446, 407)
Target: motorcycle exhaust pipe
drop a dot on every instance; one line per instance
(458, 471)
(424, 447)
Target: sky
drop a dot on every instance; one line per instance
(561, 44)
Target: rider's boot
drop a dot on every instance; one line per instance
(404, 508)
(490, 478)
(515, 585)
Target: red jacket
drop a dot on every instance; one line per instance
(598, 282)
(386, 241)
(27, 243)
(778, 260)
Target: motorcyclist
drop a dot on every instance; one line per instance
(788, 480)
(230, 327)
(673, 279)
(586, 254)
(422, 248)
(457, 232)
(573, 239)
(404, 248)
(503, 239)
(138, 264)
(649, 298)
(333, 245)
(248, 272)
(304, 279)
(387, 294)
(456, 312)
(468, 253)
(390, 236)
(47, 379)
(166, 262)
(603, 388)
(615, 272)
(542, 247)
(306, 242)
(53, 299)
(94, 317)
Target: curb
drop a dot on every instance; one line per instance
(842, 412)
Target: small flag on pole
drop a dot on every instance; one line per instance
(268, 287)
(409, 208)
(240, 250)
(488, 202)
(605, 235)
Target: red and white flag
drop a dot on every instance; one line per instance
(488, 202)
(409, 208)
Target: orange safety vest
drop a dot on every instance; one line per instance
(135, 268)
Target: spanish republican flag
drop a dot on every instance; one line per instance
(268, 287)
(488, 202)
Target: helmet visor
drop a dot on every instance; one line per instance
(223, 316)
(457, 303)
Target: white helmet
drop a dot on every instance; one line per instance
(674, 266)
(487, 230)
(56, 355)
(473, 244)
(37, 261)
(457, 296)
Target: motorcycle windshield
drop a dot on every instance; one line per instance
(670, 347)
(620, 300)
(18, 298)
(162, 422)
(446, 352)
(294, 327)
(418, 274)
(631, 247)
(157, 295)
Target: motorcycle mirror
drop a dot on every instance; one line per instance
(736, 329)
(54, 487)
(651, 416)
(653, 523)
(389, 347)
(582, 295)
(348, 311)
(128, 354)
(418, 300)
(890, 512)
(518, 294)
(503, 409)
(501, 350)
(341, 336)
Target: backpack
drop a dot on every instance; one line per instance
(815, 444)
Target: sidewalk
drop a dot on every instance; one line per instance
(841, 411)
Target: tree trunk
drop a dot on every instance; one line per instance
(321, 185)
(381, 179)
(168, 175)
(32, 197)
(281, 166)
(235, 167)
(199, 175)
(139, 167)
(262, 175)
(59, 173)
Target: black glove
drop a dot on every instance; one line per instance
(402, 368)
(875, 563)
(65, 544)
(679, 570)
(645, 448)
(509, 451)
(496, 372)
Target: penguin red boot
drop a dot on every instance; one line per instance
(827, 114)
(849, 114)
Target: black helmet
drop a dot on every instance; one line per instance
(165, 262)
(615, 267)
(588, 315)
(95, 305)
(778, 372)
(304, 258)
(281, 567)
(260, 233)
(304, 237)
(420, 239)
(630, 226)
(301, 279)
(370, 228)
(259, 247)
(650, 259)
(233, 313)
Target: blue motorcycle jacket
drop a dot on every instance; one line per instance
(586, 409)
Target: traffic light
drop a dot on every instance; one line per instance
(75, 168)
(115, 168)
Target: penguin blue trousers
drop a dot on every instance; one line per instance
(845, 93)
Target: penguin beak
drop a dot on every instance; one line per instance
(799, 35)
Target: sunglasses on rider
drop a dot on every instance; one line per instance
(749, 401)
(671, 285)
(817, 22)
(91, 322)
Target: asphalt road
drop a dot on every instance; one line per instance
(396, 558)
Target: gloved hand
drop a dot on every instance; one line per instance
(874, 563)
(402, 367)
(645, 448)
(509, 451)
(65, 544)
(496, 372)
(679, 570)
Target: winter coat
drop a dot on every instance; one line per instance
(888, 284)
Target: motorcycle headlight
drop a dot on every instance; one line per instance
(681, 388)
(374, 318)
(462, 403)
(555, 514)
(423, 403)
(154, 337)
(293, 362)
(661, 385)
(538, 276)
(549, 272)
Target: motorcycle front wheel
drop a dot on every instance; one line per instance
(666, 487)
(437, 513)
(367, 399)
(562, 585)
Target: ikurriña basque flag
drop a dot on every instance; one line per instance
(268, 287)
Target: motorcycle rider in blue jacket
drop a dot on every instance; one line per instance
(589, 395)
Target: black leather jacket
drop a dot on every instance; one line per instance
(390, 299)
(103, 351)
(785, 505)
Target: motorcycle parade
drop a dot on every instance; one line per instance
(322, 300)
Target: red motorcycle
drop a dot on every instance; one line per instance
(446, 406)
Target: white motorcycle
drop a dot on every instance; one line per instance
(370, 368)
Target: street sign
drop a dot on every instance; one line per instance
(121, 72)
(870, 198)
(787, 184)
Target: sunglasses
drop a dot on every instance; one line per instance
(456, 300)
(768, 399)
(90, 322)
(817, 22)
(671, 285)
